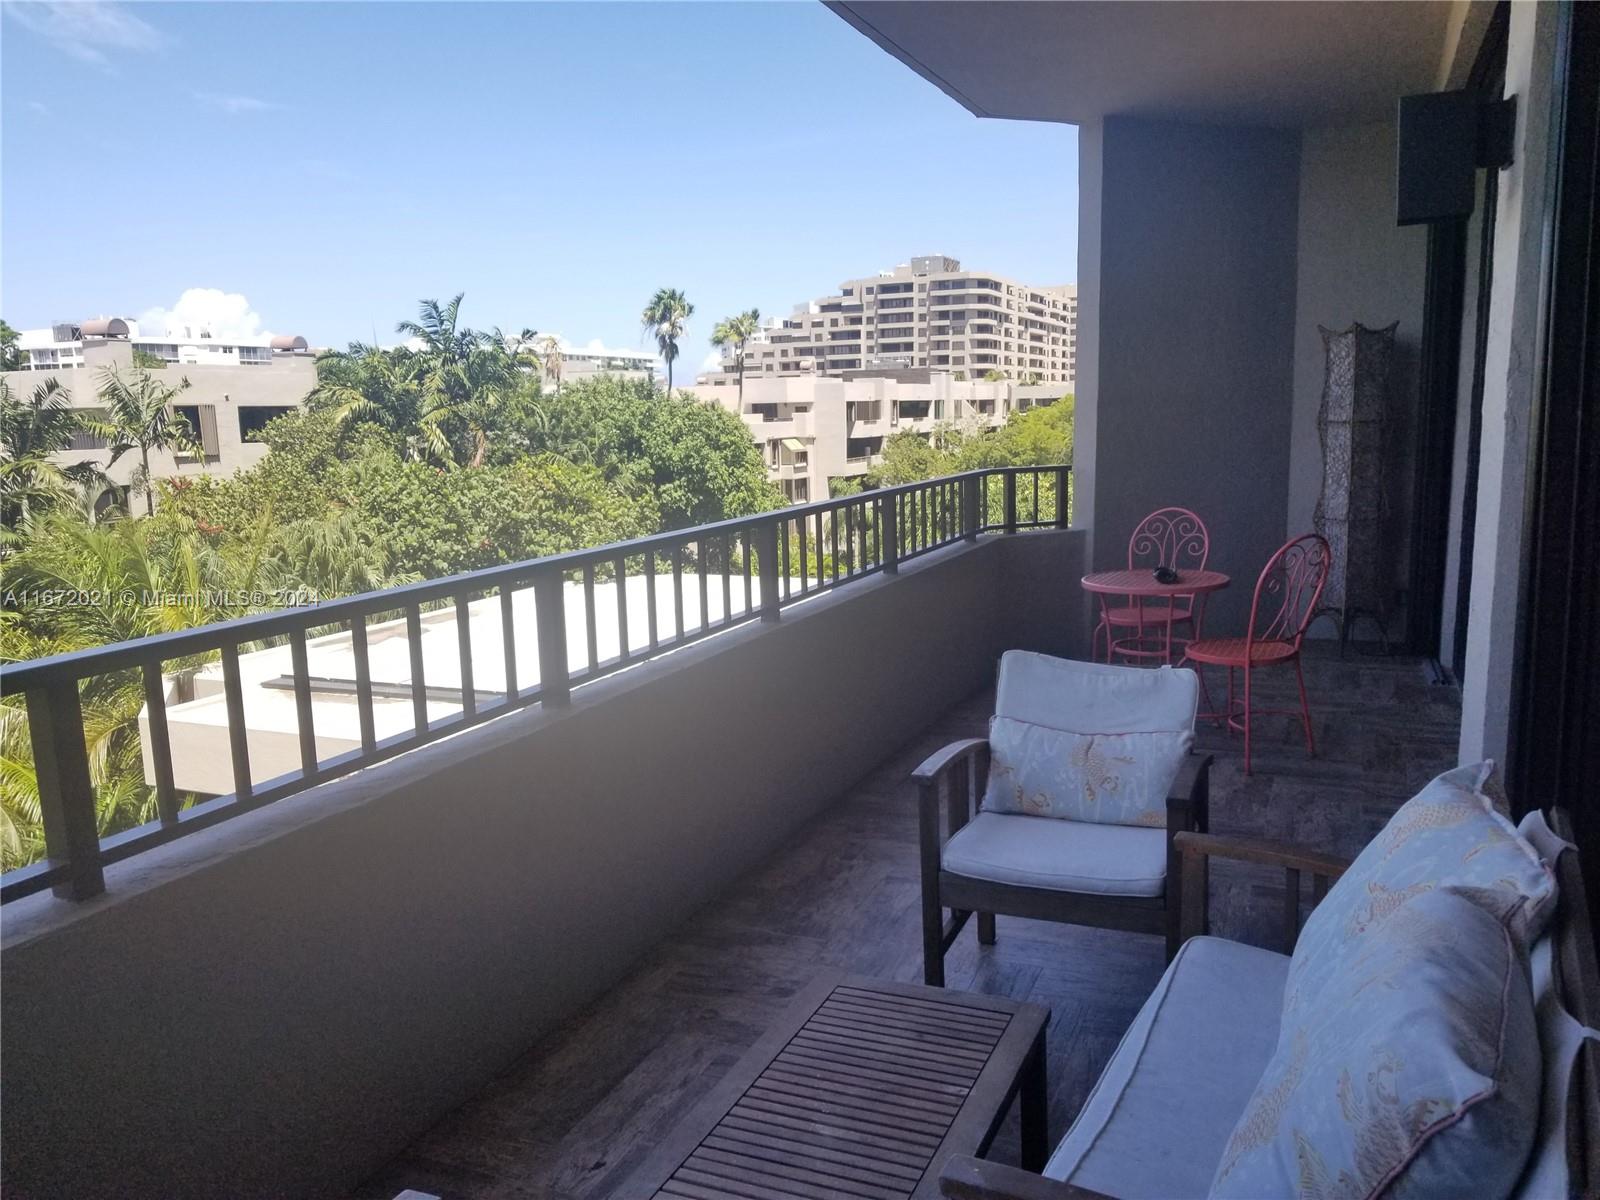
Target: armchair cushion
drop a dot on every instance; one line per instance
(1156, 1122)
(1105, 778)
(1065, 856)
(1085, 697)
(1414, 1071)
(1086, 741)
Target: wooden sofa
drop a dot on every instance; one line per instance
(1214, 1052)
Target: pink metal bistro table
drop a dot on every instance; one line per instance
(1139, 586)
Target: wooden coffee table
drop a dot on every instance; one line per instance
(863, 1089)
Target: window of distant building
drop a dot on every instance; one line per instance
(253, 419)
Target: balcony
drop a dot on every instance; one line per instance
(594, 801)
(574, 1115)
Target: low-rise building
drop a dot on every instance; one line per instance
(236, 385)
(583, 362)
(815, 429)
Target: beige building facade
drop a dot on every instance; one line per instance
(927, 313)
(814, 429)
(234, 390)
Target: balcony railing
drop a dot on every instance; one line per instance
(754, 567)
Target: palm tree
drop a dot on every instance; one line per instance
(664, 317)
(551, 353)
(443, 400)
(437, 328)
(32, 430)
(139, 415)
(735, 332)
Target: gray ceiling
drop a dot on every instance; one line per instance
(1287, 64)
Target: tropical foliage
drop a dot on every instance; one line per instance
(439, 456)
(734, 333)
(33, 429)
(139, 416)
(664, 319)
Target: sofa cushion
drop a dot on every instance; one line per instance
(1446, 836)
(1068, 856)
(1415, 1069)
(1156, 1122)
(1105, 778)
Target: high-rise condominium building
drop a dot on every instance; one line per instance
(926, 313)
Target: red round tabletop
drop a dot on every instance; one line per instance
(1139, 585)
(1141, 582)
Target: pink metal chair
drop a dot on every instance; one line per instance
(1168, 537)
(1285, 598)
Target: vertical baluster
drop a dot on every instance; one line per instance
(155, 703)
(1010, 479)
(677, 591)
(727, 578)
(621, 569)
(419, 684)
(833, 534)
(783, 541)
(767, 538)
(66, 794)
(469, 691)
(848, 512)
(1036, 497)
(889, 533)
(550, 620)
(591, 626)
(238, 734)
(800, 528)
(304, 714)
(822, 567)
(358, 647)
(705, 581)
(508, 640)
(650, 598)
(1063, 494)
(745, 551)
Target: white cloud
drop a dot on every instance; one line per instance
(87, 30)
(234, 105)
(712, 361)
(40, 107)
(222, 314)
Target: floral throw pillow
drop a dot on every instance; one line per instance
(1107, 778)
(1447, 836)
(1415, 1072)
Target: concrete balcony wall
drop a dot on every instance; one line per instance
(274, 1006)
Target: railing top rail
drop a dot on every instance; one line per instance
(18, 678)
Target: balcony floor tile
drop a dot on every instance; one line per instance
(575, 1114)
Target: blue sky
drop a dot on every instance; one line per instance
(332, 163)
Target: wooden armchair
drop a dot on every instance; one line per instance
(950, 787)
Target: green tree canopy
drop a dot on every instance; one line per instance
(696, 460)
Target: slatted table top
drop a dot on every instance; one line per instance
(862, 1091)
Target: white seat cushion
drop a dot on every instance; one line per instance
(1067, 856)
(1155, 1125)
